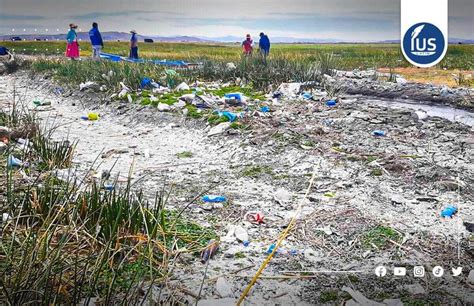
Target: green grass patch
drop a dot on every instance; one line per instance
(328, 296)
(256, 171)
(185, 154)
(379, 237)
(376, 172)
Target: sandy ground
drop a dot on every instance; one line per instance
(347, 199)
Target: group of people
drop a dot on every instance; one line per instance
(263, 45)
(72, 49)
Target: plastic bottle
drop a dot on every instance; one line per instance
(378, 133)
(449, 211)
(209, 251)
(331, 103)
(242, 235)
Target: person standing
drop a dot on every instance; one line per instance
(133, 45)
(247, 45)
(96, 41)
(72, 48)
(264, 46)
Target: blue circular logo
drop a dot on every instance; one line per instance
(424, 44)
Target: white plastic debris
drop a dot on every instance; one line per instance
(162, 107)
(153, 98)
(289, 89)
(146, 153)
(183, 86)
(219, 129)
(129, 98)
(179, 104)
(230, 66)
(241, 234)
(187, 98)
(5, 217)
(125, 90)
(420, 115)
(86, 85)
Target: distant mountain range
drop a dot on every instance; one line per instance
(120, 36)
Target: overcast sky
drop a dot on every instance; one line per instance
(361, 20)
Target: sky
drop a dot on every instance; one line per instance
(351, 20)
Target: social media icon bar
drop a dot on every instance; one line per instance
(457, 271)
(438, 271)
(419, 271)
(399, 271)
(380, 271)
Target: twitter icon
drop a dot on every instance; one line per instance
(457, 271)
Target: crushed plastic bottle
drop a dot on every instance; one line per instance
(242, 235)
(213, 199)
(449, 211)
(12, 161)
(307, 96)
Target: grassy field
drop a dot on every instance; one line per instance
(350, 56)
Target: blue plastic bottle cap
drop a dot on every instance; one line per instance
(246, 243)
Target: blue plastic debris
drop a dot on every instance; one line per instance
(449, 211)
(146, 82)
(109, 187)
(271, 248)
(246, 243)
(378, 133)
(213, 199)
(231, 116)
(331, 103)
(307, 96)
(12, 161)
(265, 109)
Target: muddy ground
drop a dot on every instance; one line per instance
(375, 200)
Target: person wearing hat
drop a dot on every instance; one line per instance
(264, 46)
(96, 41)
(133, 45)
(72, 48)
(247, 45)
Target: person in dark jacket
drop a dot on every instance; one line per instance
(264, 45)
(133, 45)
(96, 41)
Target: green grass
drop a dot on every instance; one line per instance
(256, 171)
(350, 56)
(379, 237)
(328, 296)
(185, 154)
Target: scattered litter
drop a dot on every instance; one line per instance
(87, 85)
(210, 250)
(179, 104)
(148, 83)
(331, 103)
(307, 96)
(288, 90)
(378, 133)
(91, 117)
(270, 248)
(38, 102)
(234, 98)
(449, 211)
(182, 86)
(219, 129)
(230, 66)
(109, 187)
(5, 217)
(241, 235)
(254, 217)
(12, 161)
(231, 116)
(214, 199)
(265, 109)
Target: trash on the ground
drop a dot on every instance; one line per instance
(265, 109)
(146, 153)
(288, 90)
(231, 116)
(39, 102)
(270, 248)
(449, 211)
(234, 98)
(214, 198)
(230, 66)
(129, 98)
(223, 287)
(91, 117)
(307, 96)
(210, 250)
(163, 107)
(12, 161)
(179, 104)
(378, 133)
(331, 103)
(188, 98)
(254, 217)
(109, 187)
(124, 91)
(219, 129)
(202, 101)
(182, 86)
(419, 115)
(330, 194)
(148, 83)
(241, 235)
(469, 226)
(5, 217)
(86, 85)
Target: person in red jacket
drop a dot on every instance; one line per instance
(247, 45)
